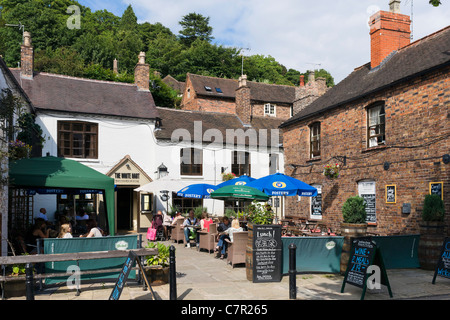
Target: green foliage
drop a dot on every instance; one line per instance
(354, 210)
(433, 208)
(435, 3)
(163, 94)
(162, 258)
(195, 27)
(258, 213)
(103, 37)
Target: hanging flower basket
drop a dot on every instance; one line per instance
(228, 176)
(19, 150)
(331, 171)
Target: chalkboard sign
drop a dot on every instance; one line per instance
(436, 188)
(316, 206)
(443, 264)
(371, 216)
(123, 276)
(363, 250)
(267, 253)
(364, 253)
(391, 194)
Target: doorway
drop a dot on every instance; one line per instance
(124, 209)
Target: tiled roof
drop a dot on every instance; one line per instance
(259, 91)
(78, 95)
(174, 83)
(419, 57)
(173, 119)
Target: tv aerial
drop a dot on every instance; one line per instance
(20, 26)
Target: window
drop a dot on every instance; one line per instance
(376, 125)
(185, 204)
(77, 139)
(207, 88)
(147, 202)
(241, 163)
(218, 90)
(316, 204)
(273, 163)
(269, 109)
(191, 162)
(314, 140)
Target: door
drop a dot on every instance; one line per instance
(124, 208)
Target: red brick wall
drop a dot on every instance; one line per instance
(283, 111)
(417, 114)
(388, 32)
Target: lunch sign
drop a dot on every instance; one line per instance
(443, 264)
(363, 255)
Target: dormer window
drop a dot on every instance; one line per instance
(269, 110)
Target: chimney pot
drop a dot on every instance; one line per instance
(394, 6)
(311, 76)
(115, 66)
(142, 74)
(26, 57)
(302, 80)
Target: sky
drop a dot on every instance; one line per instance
(299, 34)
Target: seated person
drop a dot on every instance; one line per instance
(188, 227)
(38, 231)
(65, 231)
(205, 221)
(227, 234)
(94, 231)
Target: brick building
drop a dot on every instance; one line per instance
(386, 124)
(248, 98)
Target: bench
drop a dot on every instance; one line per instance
(74, 257)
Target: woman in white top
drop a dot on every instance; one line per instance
(94, 231)
(65, 231)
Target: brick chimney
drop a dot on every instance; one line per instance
(243, 101)
(142, 74)
(389, 31)
(26, 57)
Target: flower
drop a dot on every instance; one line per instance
(228, 176)
(331, 170)
(19, 149)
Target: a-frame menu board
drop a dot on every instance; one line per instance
(443, 264)
(364, 254)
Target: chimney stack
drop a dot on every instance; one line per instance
(26, 57)
(142, 74)
(115, 66)
(389, 31)
(243, 101)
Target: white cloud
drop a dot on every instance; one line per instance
(297, 33)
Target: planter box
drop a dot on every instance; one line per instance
(431, 238)
(349, 231)
(15, 288)
(158, 276)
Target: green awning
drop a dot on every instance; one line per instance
(52, 172)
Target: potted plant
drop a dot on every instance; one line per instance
(19, 150)
(158, 273)
(354, 225)
(16, 287)
(228, 176)
(432, 231)
(256, 214)
(331, 171)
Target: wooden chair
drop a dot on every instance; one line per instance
(177, 231)
(207, 240)
(237, 248)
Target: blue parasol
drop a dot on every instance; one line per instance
(241, 181)
(279, 184)
(197, 191)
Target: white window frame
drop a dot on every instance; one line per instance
(270, 110)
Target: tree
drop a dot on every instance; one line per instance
(195, 26)
(435, 3)
(129, 20)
